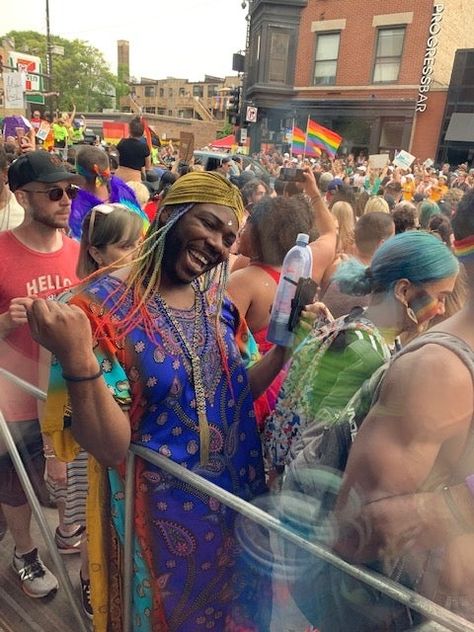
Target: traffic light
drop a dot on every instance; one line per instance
(234, 106)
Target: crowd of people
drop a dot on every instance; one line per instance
(136, 289)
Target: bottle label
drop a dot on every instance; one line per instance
(286, 296)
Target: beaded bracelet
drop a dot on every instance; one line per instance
(83, 378)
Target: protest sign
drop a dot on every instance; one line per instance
(378, 161)
(403, 159)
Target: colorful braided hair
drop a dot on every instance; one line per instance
(144, 280)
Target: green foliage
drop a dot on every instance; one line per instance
(227, 129)
(81, 75)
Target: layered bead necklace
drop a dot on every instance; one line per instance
(192, 352)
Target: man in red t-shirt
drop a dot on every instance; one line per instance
(36, 258)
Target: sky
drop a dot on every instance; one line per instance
(172, 38)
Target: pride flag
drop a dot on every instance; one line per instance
(298, 141)
(147, 133)
(323, 137)
(311, 150)
(114, 131)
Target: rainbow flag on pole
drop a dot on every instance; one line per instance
(298, 141)
(323, 137)
(312, 150)
(147, 133)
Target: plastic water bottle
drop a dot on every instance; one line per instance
(298, 263)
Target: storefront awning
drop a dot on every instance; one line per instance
(461, 128)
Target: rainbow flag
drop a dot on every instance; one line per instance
(147, 133)
(298, 141)
(311, 150)
(323, 137)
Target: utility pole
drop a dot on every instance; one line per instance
(49, 63)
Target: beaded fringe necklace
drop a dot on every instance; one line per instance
(191, 350)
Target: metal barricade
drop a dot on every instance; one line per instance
(440, 619)
(407, 597)
(35, 505)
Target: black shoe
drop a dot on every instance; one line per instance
(86, 597)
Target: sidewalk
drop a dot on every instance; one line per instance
(18, 612)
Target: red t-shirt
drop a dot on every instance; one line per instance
(26, 272)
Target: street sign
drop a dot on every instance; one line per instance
(28, 64)
(243, 135)
(34, 98)
(251, 116)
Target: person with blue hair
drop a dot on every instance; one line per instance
(412, 462)
(408, 280)
(426, 210)
(416, 257)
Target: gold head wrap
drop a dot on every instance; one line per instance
(206, 187)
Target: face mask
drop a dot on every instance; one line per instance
(424, 306)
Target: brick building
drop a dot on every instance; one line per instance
(173, 97)
(203, 100)
(376, 71)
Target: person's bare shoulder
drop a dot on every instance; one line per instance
(324, 251)
(243, 288)
(245, 278)
(430, 390)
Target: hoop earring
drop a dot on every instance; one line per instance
(411, 315)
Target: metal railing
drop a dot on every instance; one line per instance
(440, 619)
(38, 513)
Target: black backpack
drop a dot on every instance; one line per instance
(329, 598)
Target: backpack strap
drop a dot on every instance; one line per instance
(354, 321)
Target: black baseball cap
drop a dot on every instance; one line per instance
(39, 166)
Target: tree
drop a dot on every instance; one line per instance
(81, 75)
(226, 130)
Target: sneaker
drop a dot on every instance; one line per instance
(69, 544)
(86, 597)
(37, 581)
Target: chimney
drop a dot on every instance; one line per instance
(123, 60)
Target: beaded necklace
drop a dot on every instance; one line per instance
(191, 350)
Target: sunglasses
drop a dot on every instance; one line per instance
(56, 193)
(103, 209)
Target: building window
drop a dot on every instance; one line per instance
(325, 60)
(212, 91)
(161, 111)
(198, 91)
(278, 58)
(391, 134)
(162, 92)
(181, 92)
(170, 93)
(149, 91)
(388, 54)
(150, 110)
